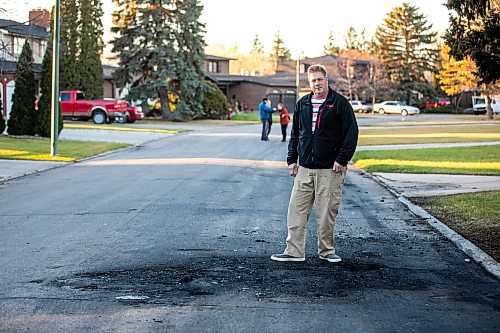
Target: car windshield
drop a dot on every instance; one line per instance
(401, 103)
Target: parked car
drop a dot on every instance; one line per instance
(134, 112)
(395, 107)
(359, 106)
(440, 101)
(75, 106)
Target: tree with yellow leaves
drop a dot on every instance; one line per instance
(455, 77)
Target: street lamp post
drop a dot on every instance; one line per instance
(54, 109)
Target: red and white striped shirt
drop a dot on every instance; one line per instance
(316, 103)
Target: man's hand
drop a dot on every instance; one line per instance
(292, 169)
(338, 167)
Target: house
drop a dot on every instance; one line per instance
(349, 74)
(249, 90)
(12, 38)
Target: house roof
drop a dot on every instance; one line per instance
(10, 67)
(24, 30)
(271, 81)
(212, 57)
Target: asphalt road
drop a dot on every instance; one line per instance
(184, 226)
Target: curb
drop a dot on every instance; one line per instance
(471, 250)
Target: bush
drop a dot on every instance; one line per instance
(215, 104)
(2, 123)
(439, 109)
(23, 116)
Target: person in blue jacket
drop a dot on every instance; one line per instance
(265, 111)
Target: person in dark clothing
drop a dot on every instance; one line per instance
(265, 111)
(284, 119)
(323, 139)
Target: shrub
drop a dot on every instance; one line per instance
(439, 109)
(2, 123)
(23, 117)
(215, 104)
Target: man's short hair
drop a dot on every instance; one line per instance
(317, 68)
(264, 99)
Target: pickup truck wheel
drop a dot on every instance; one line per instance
(404, 112)
(381, 111)
(99, 117)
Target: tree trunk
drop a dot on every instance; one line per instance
(489, 110)
(164, 104)
(455, 100)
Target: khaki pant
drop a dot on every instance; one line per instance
(324, 187)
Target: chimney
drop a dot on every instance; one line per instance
(40, 18)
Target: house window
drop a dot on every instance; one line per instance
(213, 67)
(18, 45)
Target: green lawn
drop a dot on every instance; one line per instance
(20, 148)
(429, 134)
(254, 117)
(475, 216)
(122, 127)
(478, 160)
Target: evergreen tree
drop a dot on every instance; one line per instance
(280, 52)
(23, 117)
(331, 48)
(160, 46)
(407, 48)
(43, 127)
(90, 49)
(351, 39)
(257, 47)
(69, 39)
(456, 76)
(2, 124)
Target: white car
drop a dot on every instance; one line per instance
(395, 107)
(359, 106)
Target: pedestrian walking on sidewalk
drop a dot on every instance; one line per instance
(265, 111)
(284, 119)
(323, 139)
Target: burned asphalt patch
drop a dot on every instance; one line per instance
(195, 280)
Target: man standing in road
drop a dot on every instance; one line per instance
(265, 111)
(323, 139)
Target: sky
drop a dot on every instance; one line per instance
(304, 26)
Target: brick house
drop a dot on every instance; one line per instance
(249, 90)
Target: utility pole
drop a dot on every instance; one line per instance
(54, 108)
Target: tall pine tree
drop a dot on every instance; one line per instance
(69, 71)
(331, 48)
(43, 127)
(23, 117)
(160, 46)
(407, 48)
(280, 52)
(90, 49)
(257, 47)
(351, 39)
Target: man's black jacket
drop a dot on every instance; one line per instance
(334, 139)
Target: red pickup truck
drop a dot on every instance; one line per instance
(75, 106)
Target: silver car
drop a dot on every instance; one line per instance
(395, 107)
(359, 106)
